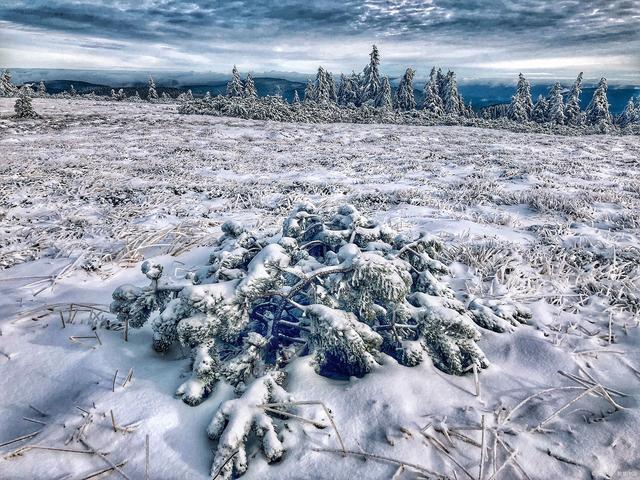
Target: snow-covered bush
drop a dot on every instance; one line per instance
(339, 287)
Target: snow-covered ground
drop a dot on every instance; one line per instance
(91, 189)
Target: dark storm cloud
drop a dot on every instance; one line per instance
(514, 27)
(565, 20)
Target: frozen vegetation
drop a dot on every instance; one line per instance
(323, 300)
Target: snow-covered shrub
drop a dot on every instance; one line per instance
(23, 106)
(337, 286)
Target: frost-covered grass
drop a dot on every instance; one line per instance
(93, 188)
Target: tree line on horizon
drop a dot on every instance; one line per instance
(440, 97)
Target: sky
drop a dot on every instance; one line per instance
(479, 39)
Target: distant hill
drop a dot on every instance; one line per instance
(264, 85)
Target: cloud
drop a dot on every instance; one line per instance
(493, 35)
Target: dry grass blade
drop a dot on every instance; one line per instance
(309, 402)
(18, 439)
(382, 458)
(103, 457)
(103, 471)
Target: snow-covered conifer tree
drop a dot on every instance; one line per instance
(165, 97)
(296, 97)
(441, 81)
(250, 88)
(189, 95)
(322, 88)
(207, 96)
(539, 112)
(341, 87)
(385, 99)
(597, 112)
(555, 105)
(235, 87)
(42, 89)
(432, 101)
(121, 95)
(23, 106)
(333, 96)
(521, 104)
(572, 112)
(405, 99)
(453, 104)
(628, 116)
(309, 92)
(7, 88)
(348, 91)
(72, 90)
(152, 93)
(371, 83)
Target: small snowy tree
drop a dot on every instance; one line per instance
(432, 100)
(404, 96)
(42, 89)
(165, 97)
(597, 112)
(23, 107)
(235, 87)
(385, 100)
(250, 88)
(629, 114)
(539, 112)
(555, 105)
(152, 93)
(72, 90)
(521, 104)
(371, 82)
(572, 112)
(296, 97)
